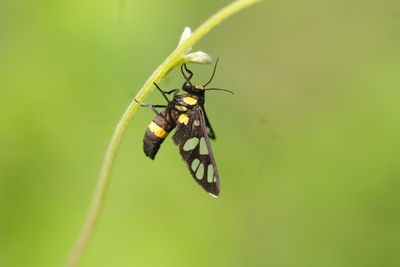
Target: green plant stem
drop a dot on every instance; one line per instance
(173, 60)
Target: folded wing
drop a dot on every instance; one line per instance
(192, 138)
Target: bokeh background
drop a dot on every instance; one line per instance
(308, 148)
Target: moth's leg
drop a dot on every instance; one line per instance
(184, 75)
(175, 92)
(164, 93)
(211, 134)
(188, 71)
(152, 107)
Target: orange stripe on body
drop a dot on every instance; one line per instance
(157, 130)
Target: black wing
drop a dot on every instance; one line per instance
(194, 145)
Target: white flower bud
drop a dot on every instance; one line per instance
(197, 57)
(187, 32)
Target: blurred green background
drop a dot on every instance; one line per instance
(308, 148)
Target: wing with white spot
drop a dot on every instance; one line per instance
(195, 148)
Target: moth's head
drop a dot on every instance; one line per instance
(193, 89)
(197, 89)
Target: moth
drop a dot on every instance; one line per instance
(186, 113)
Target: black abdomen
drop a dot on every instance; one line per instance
(156, 133)
(151, 144)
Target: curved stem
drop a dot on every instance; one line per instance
(173, 60)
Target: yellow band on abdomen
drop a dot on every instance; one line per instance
(157, 130)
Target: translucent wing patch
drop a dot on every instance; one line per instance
(194, 145)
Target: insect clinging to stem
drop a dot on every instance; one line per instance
(186, 113)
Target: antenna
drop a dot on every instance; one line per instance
(219, 89)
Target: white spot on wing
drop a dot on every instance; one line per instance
(195, 164)
(190, 144)
(203, 146)
(200, 172)
(210, 173)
